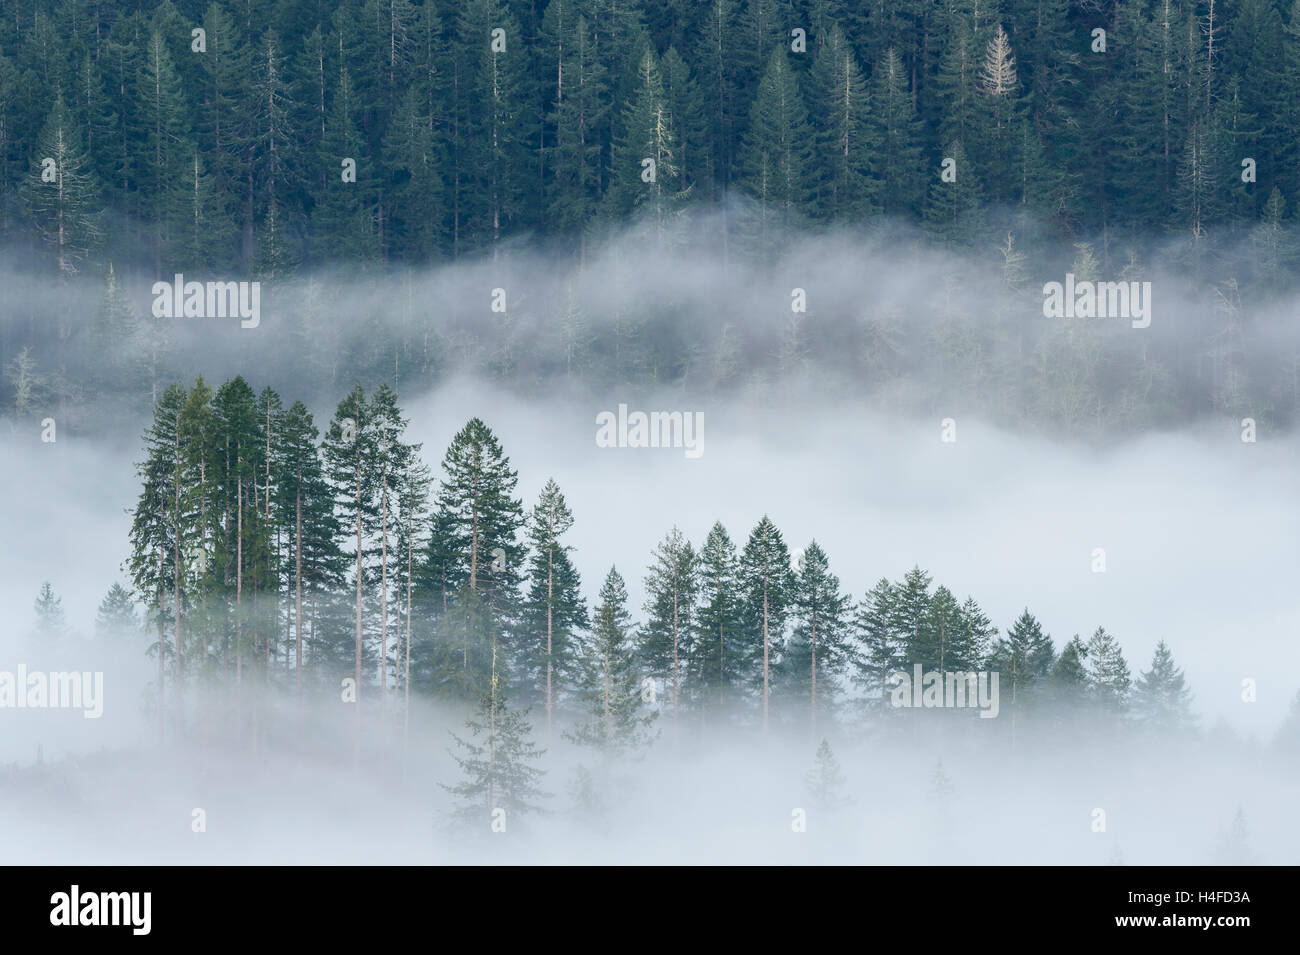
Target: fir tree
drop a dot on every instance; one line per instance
(554, 612)
(1023, 658)
(116, 616)
(647, 134)
(1108, 674)
(1161, 699)
(898, 131)
(825, 781)
(672, 598)
(777, 149)
(846, 181)
(50, 621)
(818, 649)
(882, 648)
(765, 584)
(718, 664)
(63, 198)
(498, 761)
(478, 523)
(306, 512)
(610, 681)
(350, 448)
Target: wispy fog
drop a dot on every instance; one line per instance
(831, 423)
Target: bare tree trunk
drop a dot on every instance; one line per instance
(765, 656)
(176, 570)
(550, 596)
(814, 673)
(406, 677)
(675, 661)
(297, 583)
(356, 671)
(239, 597)
(162, 641)
(383, 590)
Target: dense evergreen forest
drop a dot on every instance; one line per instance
(797, 207)
(268, 556)
(213, 135)
(349, 154)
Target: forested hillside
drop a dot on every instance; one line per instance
(594, 192)
(272, 557)
(214, 135)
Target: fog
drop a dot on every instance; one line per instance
(1199, 530)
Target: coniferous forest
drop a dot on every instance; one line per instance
(953, 520)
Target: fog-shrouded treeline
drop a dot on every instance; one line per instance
(260, 135)
(920, 331)
(786, 167)
(271, 561)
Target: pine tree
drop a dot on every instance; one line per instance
(495, 125)
(977, 636)
(198, 232)
(883, 648)
(1108, 674)
(241, 550)
(689, 126)
(116, 616)
(393, 461)
(50, 621)
(954, 213)
(412, 499)
(116, 325)
(415, 159)
(350, 448)
(1273, 243)
(957, 79)
(166, 149)
(498, 769)
(646, 133)
(155, 556)
(721, 85)
(554, 612)
(999, 105)
(1197, 199)
(344, 218)
(825, 782)
(63, 197)
(579, 101)
(305, 505)
(718, 665)
(910, 602)
(846, 181)
(1022, 658)
(270, 150)
(765, 584)
(1162, 700)
(478, 523)
(225, 66)
(610, 681)
(1070, 677)
(672, 598)
(818, 649)
(777, 150)
(897, 130)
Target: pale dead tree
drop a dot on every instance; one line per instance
(998, 74)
